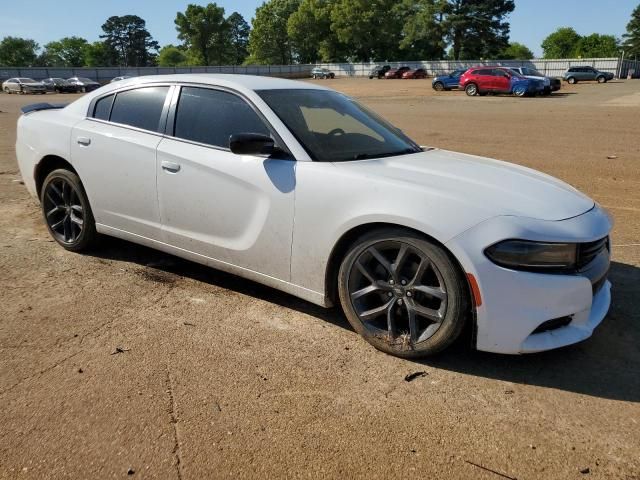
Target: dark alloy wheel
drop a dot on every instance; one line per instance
(438, 86)
(66, 211)
(404, 295)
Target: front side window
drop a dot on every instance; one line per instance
(211, 116)
(140, 108)
(333, 128)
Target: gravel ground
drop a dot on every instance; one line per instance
(131, 363)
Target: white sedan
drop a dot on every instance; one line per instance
(301, 188)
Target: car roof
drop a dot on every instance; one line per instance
(248, 82)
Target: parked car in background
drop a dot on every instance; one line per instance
(123, 77)
(323, 73)
(551, 84)
(484, 80)
(59, 85)
(23, 85)
(447, 82)
(415, 74)
(396, 72)
(379, 71)
(585, 74)
(84, 84)
(304, 190)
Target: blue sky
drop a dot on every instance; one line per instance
(532, 21)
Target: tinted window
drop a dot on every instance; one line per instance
(483, 72)
(139, 108)
(103, 108)
(212, 116)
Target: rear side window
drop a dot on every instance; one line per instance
(212, 116)
(102, 110)
(140, 108)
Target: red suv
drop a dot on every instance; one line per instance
(483, 80)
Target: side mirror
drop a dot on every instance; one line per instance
(252, 144)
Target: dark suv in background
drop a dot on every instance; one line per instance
(379, 71)
(582, 74)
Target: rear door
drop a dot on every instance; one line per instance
(114, 152)
(237, 209)
(501, 81)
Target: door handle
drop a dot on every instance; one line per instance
(170, 167)
(84, 141)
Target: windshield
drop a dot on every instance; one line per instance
(532, 72)
(27, 80)
(334, 128)
(85, 80)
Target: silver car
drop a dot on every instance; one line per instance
(23, 85)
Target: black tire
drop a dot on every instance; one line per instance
(471, 89)
(572, 80)
(439, 87)
(601, 79)
(7, 91)
(65, 208)
(437, 334)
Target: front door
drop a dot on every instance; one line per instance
(236, 209)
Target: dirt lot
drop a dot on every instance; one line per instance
(221, 377)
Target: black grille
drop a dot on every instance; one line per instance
(587, 252)
(554, 324)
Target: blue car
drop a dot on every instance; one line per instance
(447, 82)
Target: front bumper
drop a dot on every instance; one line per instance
(515, 304)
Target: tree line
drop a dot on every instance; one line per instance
(310, 31)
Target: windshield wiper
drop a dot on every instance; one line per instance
(367, 156)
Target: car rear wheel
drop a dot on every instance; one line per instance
(471, 89)
(67, 212)
(601, 79)
(438, 86)
(7, 91)
(403, 294)
(572, 80)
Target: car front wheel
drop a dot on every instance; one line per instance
(67, 212)
(601, 79)
(471, 89)
(572, 80)
(438, 86)
(403, 294)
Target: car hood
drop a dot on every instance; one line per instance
(546, 80)
(496, 187)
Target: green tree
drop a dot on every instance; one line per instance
(129, 37)
(238, 38)
(66, 52)
(476, 28)
(563, 43)
(422, 31)
(205, 33)
(598, 46)
(100, 54)
(371, 29)
(516, 51)
(171, 56)
(269, 41)
(632, 37)
(18, 52)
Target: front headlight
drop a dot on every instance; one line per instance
(528, 255)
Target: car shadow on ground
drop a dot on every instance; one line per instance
(605, 366)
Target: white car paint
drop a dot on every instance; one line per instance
(278, 221)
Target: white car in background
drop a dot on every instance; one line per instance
(23, 85)
(301, 188)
